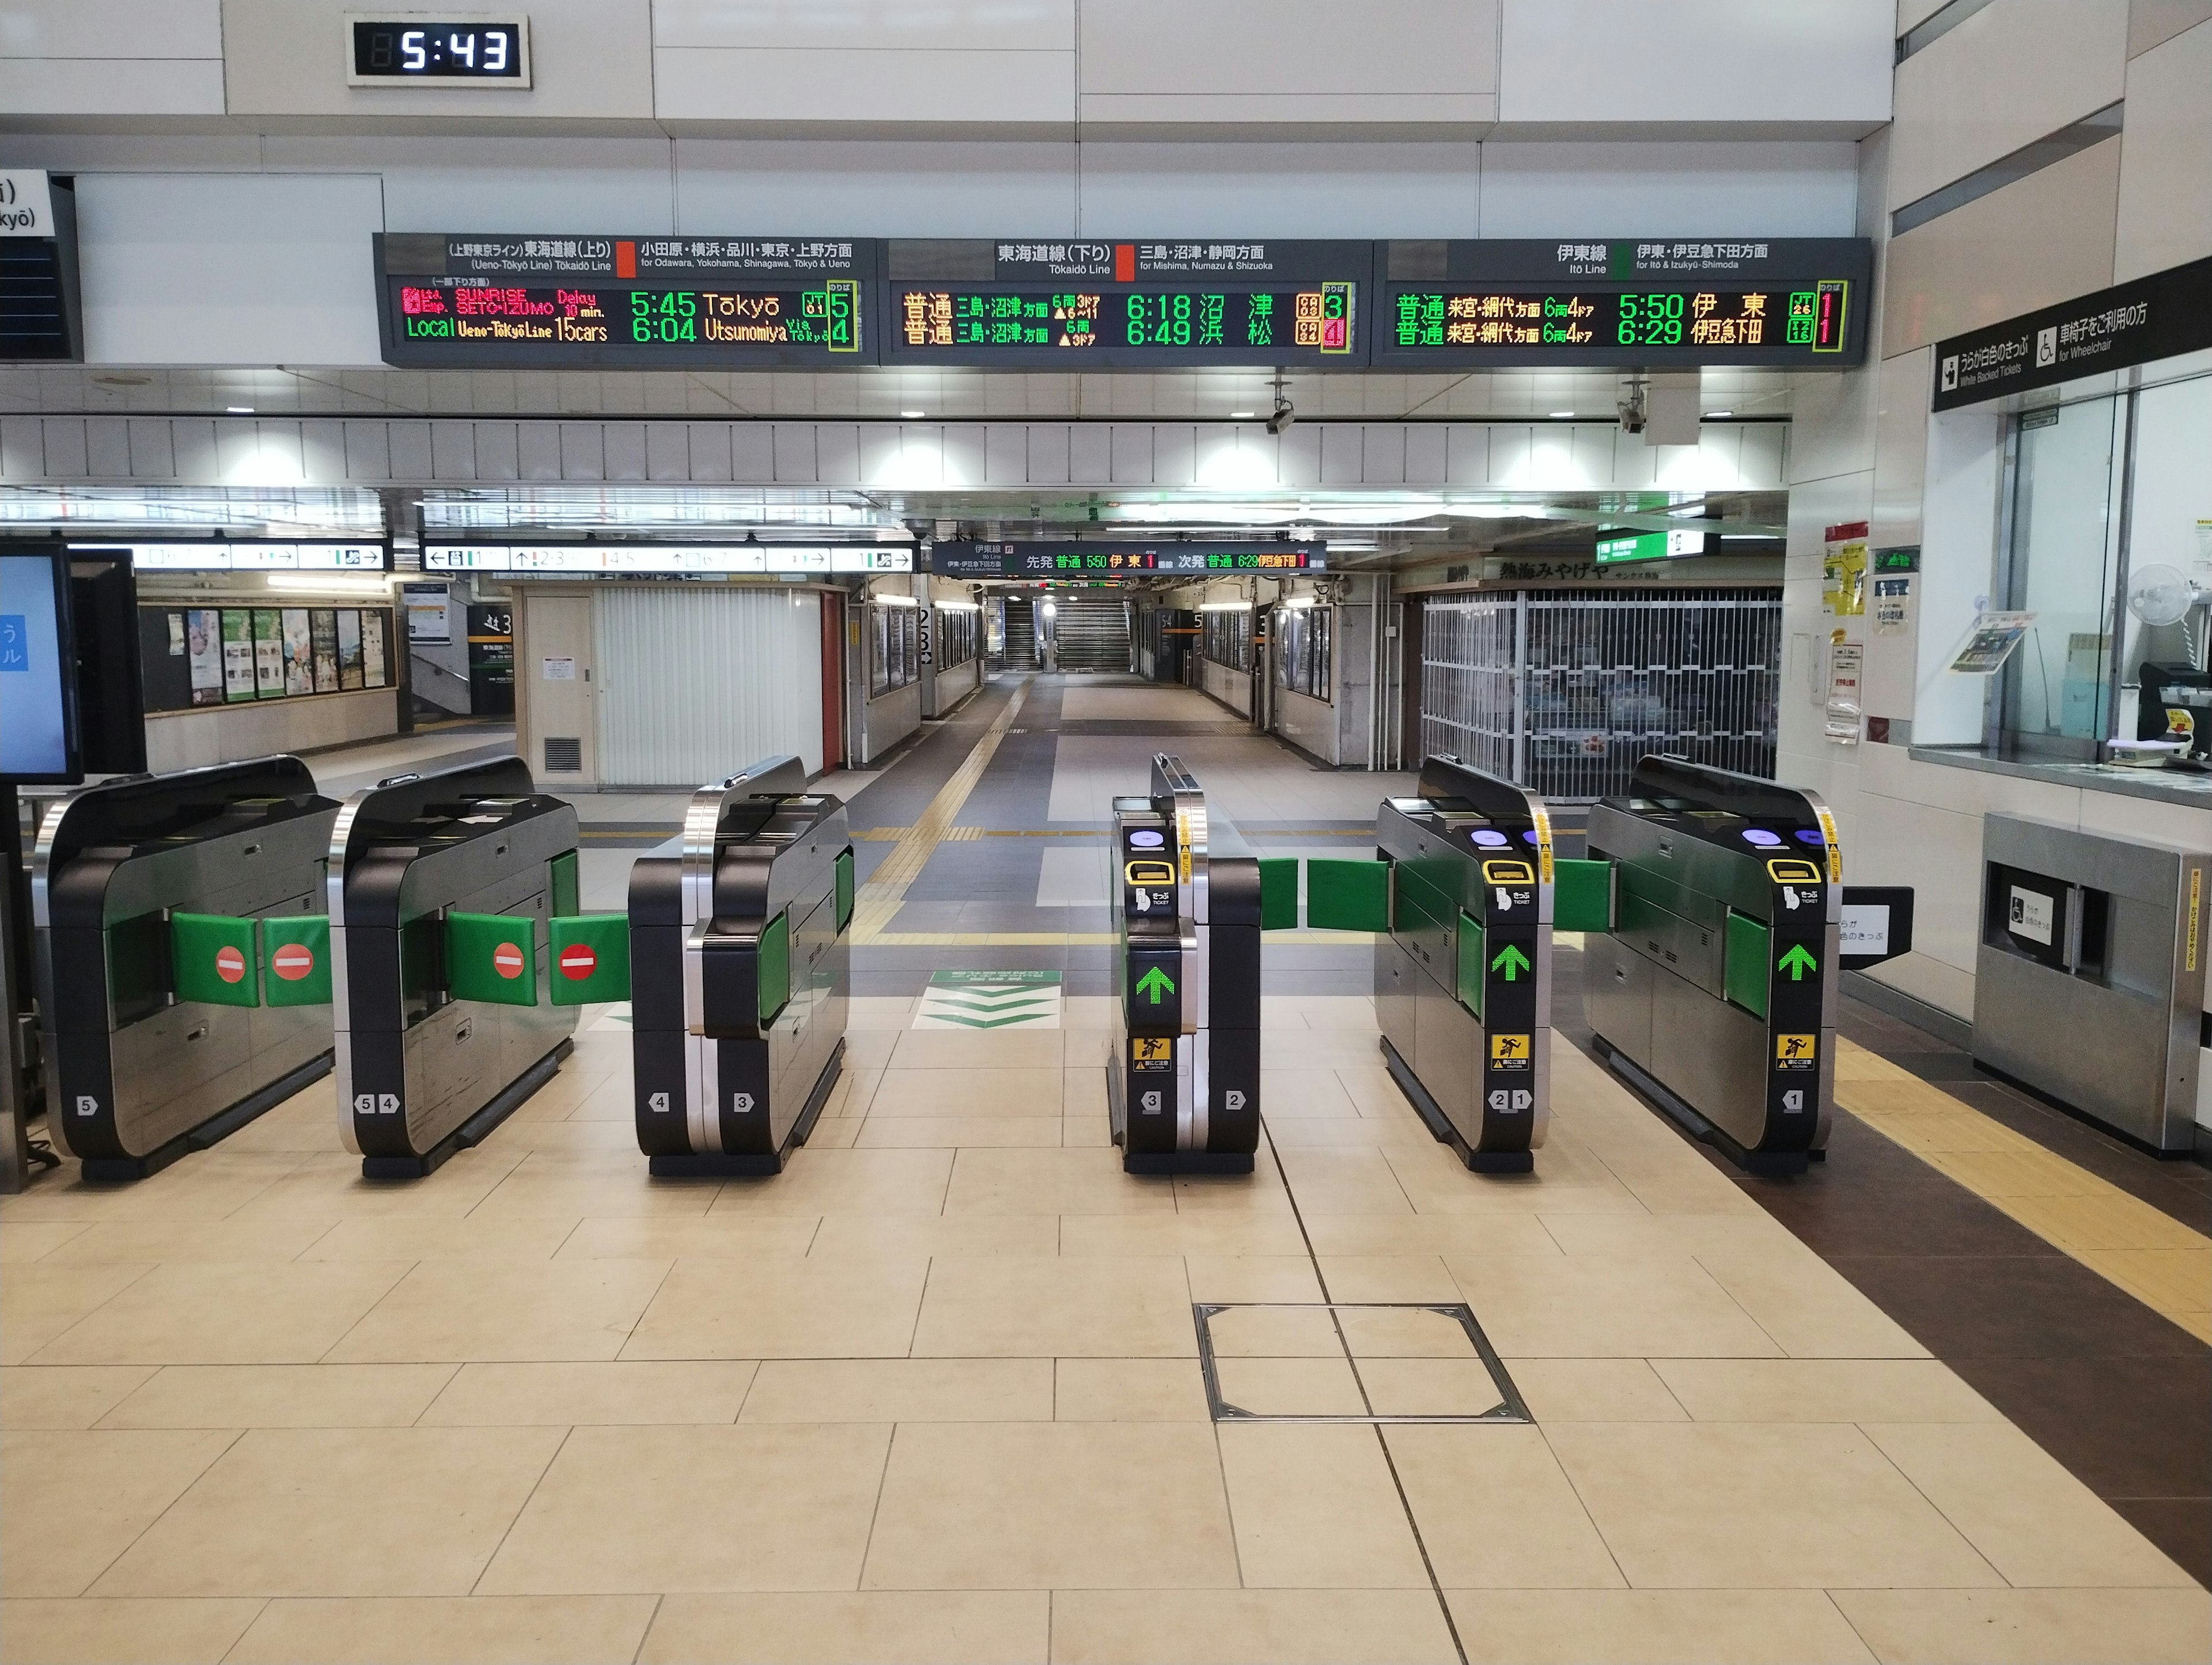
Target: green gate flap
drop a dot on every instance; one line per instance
(1473, 949)
(1278, 893)
(1582, 896)
(295, 950)
(590, 958)
(490, 956)
(560, 884)
(1747, 947)
(774, 966)
(844, 888)
(212, 958)
(1347, 896)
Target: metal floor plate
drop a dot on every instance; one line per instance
(1351, 1361)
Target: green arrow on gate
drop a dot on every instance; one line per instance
(1512, 960)
(1156, 982)
(1797, 963)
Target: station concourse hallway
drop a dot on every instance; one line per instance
(935, 1392)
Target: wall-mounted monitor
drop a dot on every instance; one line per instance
(39, 743)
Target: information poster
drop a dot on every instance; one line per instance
(299, 653)
(430, 612)
(1990, 642)
(204, 652)
(322, 632)
(372, 649)
(1844, 571)
(348, 648)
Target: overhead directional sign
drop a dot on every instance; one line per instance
(1103, 558)
(2162, 316)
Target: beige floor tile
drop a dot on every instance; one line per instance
(85, 1632)
(575, 1138)
(1565, 1181)
(76, 1499)
(494, 1395)
(688, 1237)
(1083, 1092)
(869, 1183)
(1403, 1332)
(1297, 1095)
(1128, 1390)
(1051, 1505)
(127, 1241)
(1290, 1387)
(969, 1093)
(908, 1133)
(1091, 1130)
(452, 1630)
(1343, 1182)
(1210, 1234)
(339, 1511)
(2032, 1626)
(838, 1133)
(1387, 1277)
(1809, 1307)
(1822, 1390)
(1641, 1235)
(1594, 1390)
(1314, 1508)
(1228, 1278)
(227, 1312)
(1760, 1505)
(870, 1049)
(541, 1310)
(997, 1049)
(821, 1307)
(901, 1390)
(1320, 1049)
(208, 1187)
(1340, 1130)
(1362, 1235)
(1064, 1182)
(2032, 1520)
(1655, 1627)
(759, 1507)
(396, 1237)
(920, 1627)
(1373, 1090)
(855, 1085)
(1249, 1627)
(22, 1244)
(1275, 1332)
(1260, 1192)
(1495, 1510)
(1011, 1306)
(330, 1187)
(1430, 1387)
(599, 1182)
(281, 1396)
(1561, 1306)
(937, 1234)
(35, 1307)
(66, 1395)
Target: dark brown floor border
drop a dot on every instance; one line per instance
(2119, 1394)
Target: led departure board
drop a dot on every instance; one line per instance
(1101, 558)
(1126, 306)
(40, 316)
(1795, 302)
(608, 302)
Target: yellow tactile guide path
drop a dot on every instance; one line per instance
(932, 1395)
(2147, 1252)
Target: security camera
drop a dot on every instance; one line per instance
(1635, 412)
(1283, 416)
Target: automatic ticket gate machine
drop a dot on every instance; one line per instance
(1715, 989)
(1183, 1075)
(1463, 976)
(154, 899)
(739, 973)
(442, 889)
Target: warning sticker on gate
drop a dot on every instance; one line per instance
(1509, 1052)
(1796, 1052)
(1152, 1053)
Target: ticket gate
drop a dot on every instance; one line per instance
(1463, 976)
(739, 973)
(1714, 988)
(442, 889)
(164, 1027)
(1183, 1075)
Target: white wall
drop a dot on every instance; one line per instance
(2165, 208)
(135, 59)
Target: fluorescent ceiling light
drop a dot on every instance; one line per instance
(1711, 415)
(1225, 606)
(894, 601)
(238, 410)
(1242, 416)
(911, 416)
(1558, 413)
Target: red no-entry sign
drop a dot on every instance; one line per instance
(507, 960)
(230, 964)
(578, 962)
(294, 961)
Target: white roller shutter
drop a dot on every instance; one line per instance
(699, 680)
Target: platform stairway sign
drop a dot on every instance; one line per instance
(590, 958)
(223, 959)
(491, 958)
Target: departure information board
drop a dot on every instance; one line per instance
(1103, 558)
(1789, 302)
(635, 303)
(1126, 306)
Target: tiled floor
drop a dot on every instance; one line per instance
(934, 1392)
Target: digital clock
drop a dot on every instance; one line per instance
(424, 46)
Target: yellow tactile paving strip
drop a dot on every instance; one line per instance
(2150, 1255)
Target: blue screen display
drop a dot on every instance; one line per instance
(35, 739)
